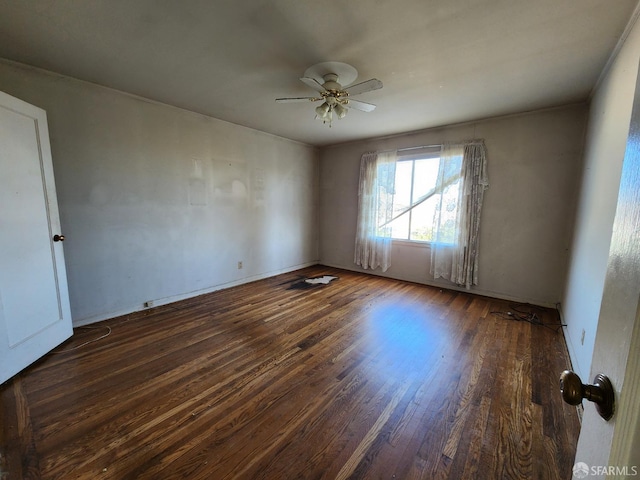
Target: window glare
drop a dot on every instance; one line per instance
(425, 176)
(400, 227)
(422, 224)
(402, 198)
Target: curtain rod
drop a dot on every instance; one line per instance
(421, 146)
(470, 142)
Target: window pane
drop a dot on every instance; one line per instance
(385, 206)
(402, 199)
(425, 176)
(400, 227)
(416, 202)
(422, 220)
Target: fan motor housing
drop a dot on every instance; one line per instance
(331, 82)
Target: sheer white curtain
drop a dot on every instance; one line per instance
(454, 252)
(375, 210)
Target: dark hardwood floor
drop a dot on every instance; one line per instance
(365, 377)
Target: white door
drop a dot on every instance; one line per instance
(34, 302)
(613, 448)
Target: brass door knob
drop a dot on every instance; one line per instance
(601, 392)
(58, 238)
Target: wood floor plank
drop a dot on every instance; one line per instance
(365, 377)
(19, 457)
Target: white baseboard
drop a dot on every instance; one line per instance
(448, 286)
(183, 296)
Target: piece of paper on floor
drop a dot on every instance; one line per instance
(324, 279)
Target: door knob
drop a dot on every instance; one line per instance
(58, 238)
(601, 392)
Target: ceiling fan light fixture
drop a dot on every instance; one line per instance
(322, 110)
(325, 113)
(341, 110)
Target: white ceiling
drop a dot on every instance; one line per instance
(441, 61)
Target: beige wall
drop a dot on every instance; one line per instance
(534, 165)
(609, 117)
(603, 291)
(158, 203)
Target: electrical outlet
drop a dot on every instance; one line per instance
(239, 265)
(582, 337)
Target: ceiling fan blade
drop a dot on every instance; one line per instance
(297, 99)
(373, 84)
(362, 106)
(313, 83)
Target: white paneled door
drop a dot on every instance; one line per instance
(34, 301)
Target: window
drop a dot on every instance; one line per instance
(417, 199)
(427, 196)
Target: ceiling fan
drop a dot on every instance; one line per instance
(325, 79)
